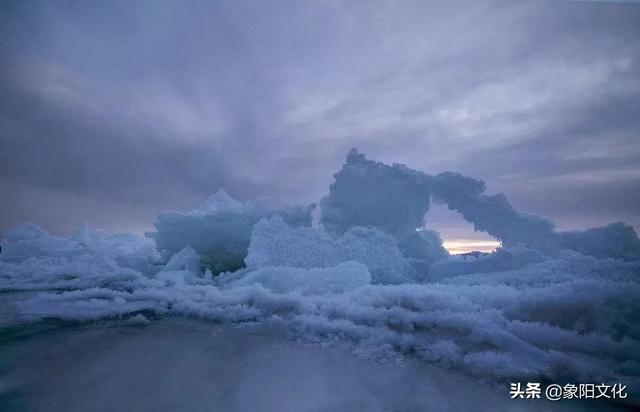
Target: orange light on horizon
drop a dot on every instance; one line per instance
(460, 246)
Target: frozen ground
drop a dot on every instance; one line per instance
(198, 366)
(368, 278)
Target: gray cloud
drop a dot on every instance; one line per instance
(114, 111)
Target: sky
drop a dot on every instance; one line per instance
(114, 111)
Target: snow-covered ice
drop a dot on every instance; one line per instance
(548, 305)
(216, 368)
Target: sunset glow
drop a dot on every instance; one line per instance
(459, 246)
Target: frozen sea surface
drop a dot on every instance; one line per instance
(180, 364)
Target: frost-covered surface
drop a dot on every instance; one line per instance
(274, 243)
(367, 193)
(220, 229)
(33, 259)
(560, 306)
(189, 365)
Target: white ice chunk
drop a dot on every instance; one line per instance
(219, 231)
(274, 243)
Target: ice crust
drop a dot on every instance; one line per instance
(220, 230)
(372, 194)
(344, 277)
(548, 304)
(274, 243)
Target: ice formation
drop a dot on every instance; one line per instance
(371, 194)
(220, 230)
(548, 304)
(275, 243)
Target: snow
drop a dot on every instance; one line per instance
(491, 213)
(371, 194)
(345, 276)
(547, 305)
(274, 243)
(614, 240)
(33, 259)
(219, 230)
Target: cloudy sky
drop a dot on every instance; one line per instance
(114, 111)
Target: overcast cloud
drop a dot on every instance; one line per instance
(113, 111)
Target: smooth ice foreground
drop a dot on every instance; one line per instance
(561, 306)
(217, 368)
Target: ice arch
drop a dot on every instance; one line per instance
(372, 194)
(395, 198)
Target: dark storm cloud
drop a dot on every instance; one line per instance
(114, 111)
